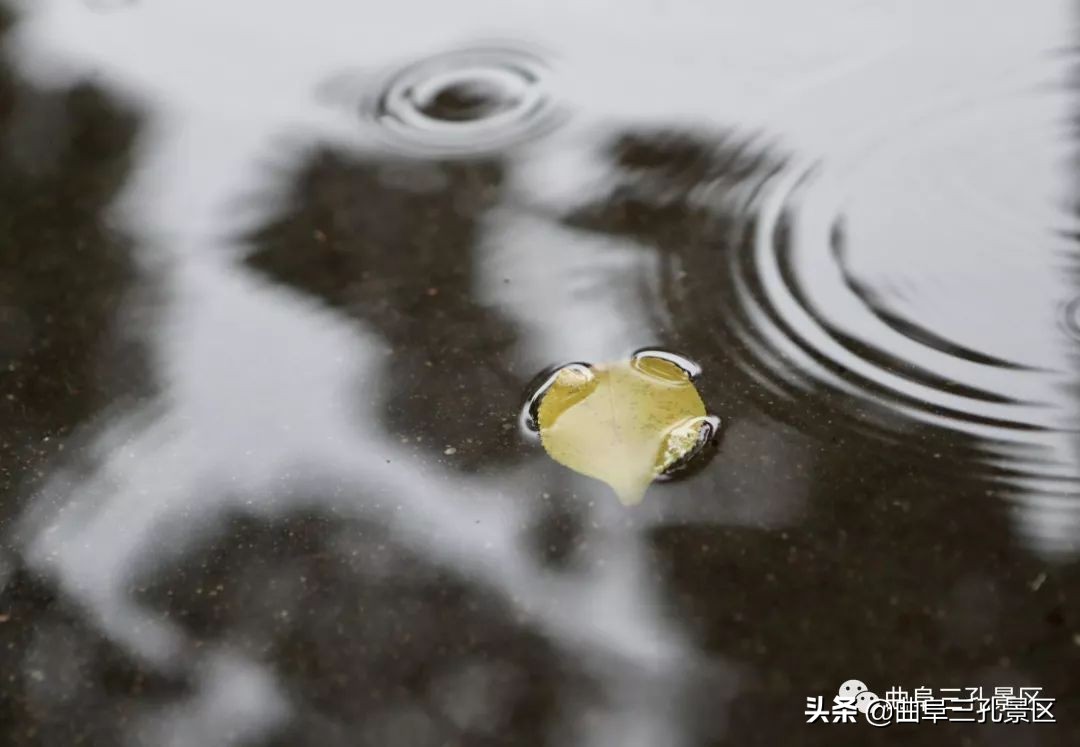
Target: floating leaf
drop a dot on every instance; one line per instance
(623, 423)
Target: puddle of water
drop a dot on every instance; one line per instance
(281, 274)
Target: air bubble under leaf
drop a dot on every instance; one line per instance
(623, 423)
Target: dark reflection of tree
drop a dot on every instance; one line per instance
(894, 577)
(64, 682)
(392, 242)
(63, 274)
(903, 573)
(373, 644)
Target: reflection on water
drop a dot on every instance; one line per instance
(268, 313)
(64, 272)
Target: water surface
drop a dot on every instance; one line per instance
(278, 276)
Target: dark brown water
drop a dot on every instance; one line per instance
(275, 278)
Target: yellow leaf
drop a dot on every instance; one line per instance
(622, 423)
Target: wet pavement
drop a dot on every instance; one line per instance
(276, 280)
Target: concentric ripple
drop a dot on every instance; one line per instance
(923, 289)
(811, 326)
(466, 101)
(1070, 318)
(799, 294)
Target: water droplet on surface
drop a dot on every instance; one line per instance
(466, 101)
(645, 355)
(541, 383)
